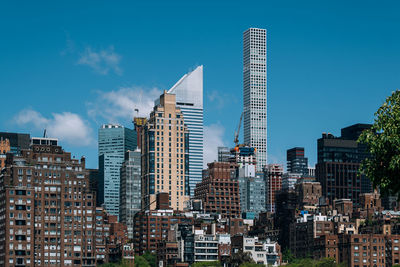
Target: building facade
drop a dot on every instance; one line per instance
(130, 189)
(189, 98)
(205, 246)
(165, 155)
(273, 180)
(255, 92)
(219, 190)
(266, 252)
(152, 226)
(296, 162)
(251, 183)
(352, 133)
(17, 141)
(308, 193)
(339, 159)
(50, 208)
(289, 180)
(224, 153)
(4, 149)
(114, 141)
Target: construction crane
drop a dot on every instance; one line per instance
(236, 139)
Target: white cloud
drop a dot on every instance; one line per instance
(213, 138)
(121, 103)
(101, 61)
(68, 127)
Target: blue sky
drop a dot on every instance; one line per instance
(71, 66)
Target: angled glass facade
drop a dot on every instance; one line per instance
(189, 98)
(114, 141)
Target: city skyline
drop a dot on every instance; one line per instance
(312, 84)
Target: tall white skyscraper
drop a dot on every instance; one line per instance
(189, 98)
(255, 92)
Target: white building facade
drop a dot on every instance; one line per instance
(189, 98)
(255, 92)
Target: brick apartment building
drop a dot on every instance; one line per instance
(273, 174)
(359, 250)
(152, 226)
(308, 193)
(219, 191)
(111, 237)
(50, 208)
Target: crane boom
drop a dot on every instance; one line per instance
(236, 139)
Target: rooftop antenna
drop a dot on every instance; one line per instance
(44, 134)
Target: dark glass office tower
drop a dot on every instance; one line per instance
(18, 141)
(339, 159)
(352, 133)
(296, 162)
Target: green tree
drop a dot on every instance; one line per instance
(302, 263)
(329, 262)
(109, 265)
(140, 261)
(288, 256)
(122, 263)
(383, 142)
(206, 264)
(150, 258)
(249, 264)
(239, 258)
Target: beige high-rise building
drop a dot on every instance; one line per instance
(165, 153)
(4, 149)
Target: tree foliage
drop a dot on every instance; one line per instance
(239, 258)
(249, 264)
(122, 263)
(383, 142)
(140, 261)
(206, 264)
(328, 262)
(288, 256)
(150, 258)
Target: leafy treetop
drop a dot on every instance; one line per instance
(383, 142)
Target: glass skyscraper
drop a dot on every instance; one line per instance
(130, 189)
(114, 141)
(296, 162)
(189, 98)
(255, 92)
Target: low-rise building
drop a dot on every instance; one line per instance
(205, 246)
(152, 226)
(266, 252)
